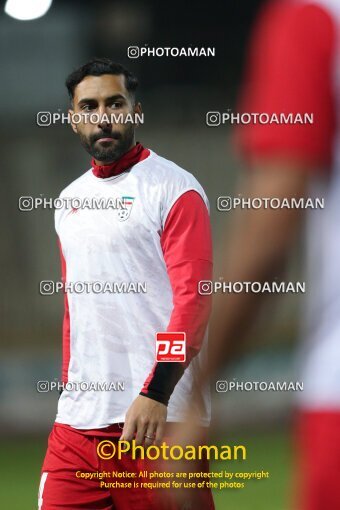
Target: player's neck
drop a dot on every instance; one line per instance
(134, 155)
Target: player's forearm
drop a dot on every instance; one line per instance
(190, 315)
(258, 248)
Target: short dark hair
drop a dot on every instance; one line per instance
(97, 67)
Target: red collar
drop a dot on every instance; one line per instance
(129, 159)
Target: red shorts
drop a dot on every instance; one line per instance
(70, 452)
(318, 443)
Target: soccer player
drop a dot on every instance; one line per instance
(161, 237)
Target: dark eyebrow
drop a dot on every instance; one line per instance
(115, 97)
(87, 100)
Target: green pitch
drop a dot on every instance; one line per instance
(268, 452)
(21, 461)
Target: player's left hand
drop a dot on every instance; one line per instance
(146, 418)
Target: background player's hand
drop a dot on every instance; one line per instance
(145, 417)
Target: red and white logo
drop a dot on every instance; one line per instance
(170, 347)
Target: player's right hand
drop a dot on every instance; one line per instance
(145, 420)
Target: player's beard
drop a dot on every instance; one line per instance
(124, 140)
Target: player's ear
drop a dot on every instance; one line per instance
(74, 126)
(138, 113)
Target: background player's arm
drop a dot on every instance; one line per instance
(257, 249)
(187, 250)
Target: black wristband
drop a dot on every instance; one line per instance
(165, 377)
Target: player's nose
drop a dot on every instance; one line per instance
(104, 121)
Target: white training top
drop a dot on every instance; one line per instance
(112, 335)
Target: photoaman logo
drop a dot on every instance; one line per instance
(170, 347)
(107, 449)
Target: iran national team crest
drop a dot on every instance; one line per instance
(125, 211)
